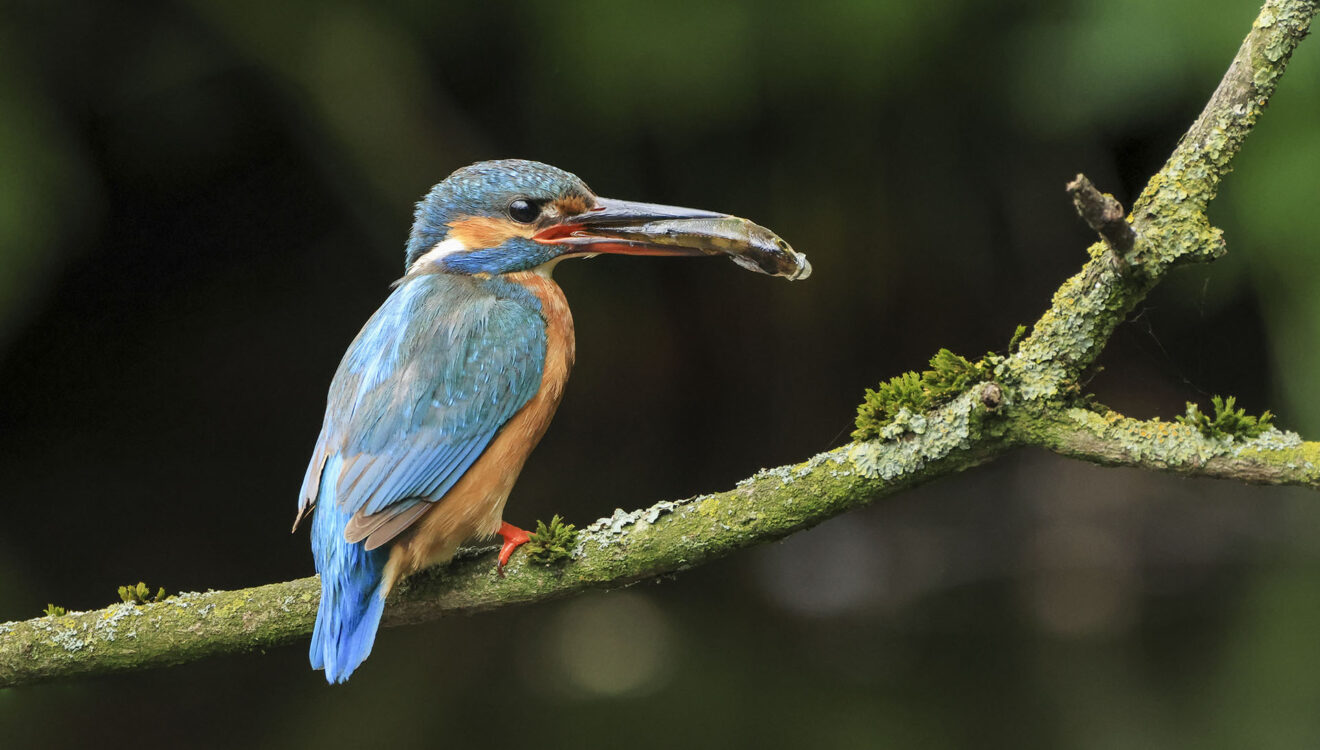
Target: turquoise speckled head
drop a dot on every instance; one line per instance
(486, 190)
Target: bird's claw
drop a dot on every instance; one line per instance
(514, 538)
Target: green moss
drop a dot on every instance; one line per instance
(951, 374)
(880, 406)
(913, 393)
(1018, 334)
(140, 594)
(1228, 422)
(53, 611)
(552, 543)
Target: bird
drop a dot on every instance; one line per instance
(448, 387)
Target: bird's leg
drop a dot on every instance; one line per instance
(514, 538)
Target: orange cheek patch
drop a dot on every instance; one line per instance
(480, 232)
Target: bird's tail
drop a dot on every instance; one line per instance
(353, 589)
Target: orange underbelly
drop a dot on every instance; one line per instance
(474, 507)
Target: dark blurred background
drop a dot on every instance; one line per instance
(202, 200)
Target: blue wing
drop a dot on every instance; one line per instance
(423, 389)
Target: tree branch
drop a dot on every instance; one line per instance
(613, 552)
(1111, 439)
(1032, 402)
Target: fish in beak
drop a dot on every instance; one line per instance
(631, 228)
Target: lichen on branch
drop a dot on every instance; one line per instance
(915, 428)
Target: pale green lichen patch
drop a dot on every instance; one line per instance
(60, 635)
(1068, 336)
(654, 512)
(107, 625)
(1154, 441)
(605, 532)
(67, 639)
(1159, 444)
(1273, 440)
(1286, 451)
(183, 600)
(785, 475)
(1288, 23)
(614, 525)
(837, 457)
(930, 437)
(1192, 174)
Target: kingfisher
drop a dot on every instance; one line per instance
(449, 386)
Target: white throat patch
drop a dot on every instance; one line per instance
(441, 249)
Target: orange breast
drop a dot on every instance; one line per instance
(475, 505)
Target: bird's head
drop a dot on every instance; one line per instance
(497, 217)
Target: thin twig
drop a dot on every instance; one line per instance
(1104, 214)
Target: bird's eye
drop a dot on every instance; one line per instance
(524, 211)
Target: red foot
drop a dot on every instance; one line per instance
(514, 538)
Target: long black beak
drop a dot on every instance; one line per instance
(630, 228)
